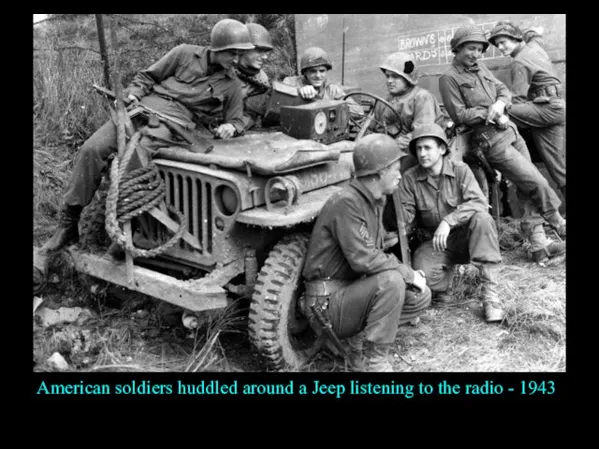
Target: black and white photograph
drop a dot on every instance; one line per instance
(299, 193)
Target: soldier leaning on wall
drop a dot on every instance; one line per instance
(537, 95)
(474, 97)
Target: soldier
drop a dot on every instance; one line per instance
(363, 288)
(312, 84)
(415, 105)
(443, 201)
(474, 97)
(537, 99)
(191, 83)
(256, 85)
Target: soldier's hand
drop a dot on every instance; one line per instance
(495, 111)
(403, 141)
(419, 281)
(132, 98)
(307, 92)
(440, 237)
(391, 239)
(502, 121)
(225, 131)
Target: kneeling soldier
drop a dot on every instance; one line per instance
(445, 203)
(360, 288)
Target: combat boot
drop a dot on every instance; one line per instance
(558, 223)
(355, 353)
(377, 358)
(491, 303)
(443, 299)
(552, 250)
(67, 232)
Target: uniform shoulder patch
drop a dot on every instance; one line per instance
(363, 231)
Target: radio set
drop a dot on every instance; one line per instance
(324, 121)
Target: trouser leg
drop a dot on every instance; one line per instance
(90, 162)
(437, 267)
(535, 194)
(372, 304)
(516, 167)
(547, 124)
(414, 305)
(550, 145)
(483, 241)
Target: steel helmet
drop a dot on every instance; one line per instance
(375, 152)
(230, 34)
(259, 36)
(428, 130)
(400, 63)
(471, 33)
(507, 29)
(313, 57)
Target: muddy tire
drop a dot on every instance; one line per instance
(277, 330)
(92, 229)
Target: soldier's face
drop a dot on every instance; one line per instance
(469, 53)
(396, 84)
(506, 45)
(226, 58)
(390, 178)
(254, 59)
(429, 153)
(316, 76)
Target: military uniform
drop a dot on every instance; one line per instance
(328, 91)
(368, 286)
(256, 90)
(415, 106)
(467, 94)
(182, 84)
(456, 198)
(532, 76)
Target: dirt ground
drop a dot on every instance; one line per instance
(119, 330)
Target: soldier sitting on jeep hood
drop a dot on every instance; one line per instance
(190, 83)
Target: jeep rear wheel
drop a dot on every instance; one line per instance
(277, 330)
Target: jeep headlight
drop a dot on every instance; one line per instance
(226, 200)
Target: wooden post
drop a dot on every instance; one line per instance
(103, 52)
(121, 115)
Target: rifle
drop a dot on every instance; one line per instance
(196, 143)
(476, 154)
(401, 229)
(327, 328)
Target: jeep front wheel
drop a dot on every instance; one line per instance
(277, 329)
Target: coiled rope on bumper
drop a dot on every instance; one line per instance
(132, 194)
